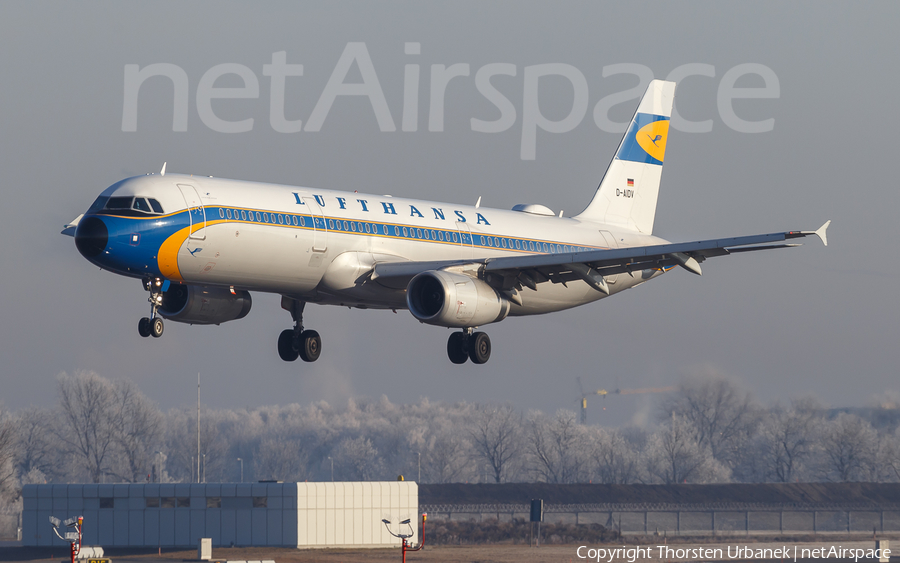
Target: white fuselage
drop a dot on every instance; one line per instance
(315, 245)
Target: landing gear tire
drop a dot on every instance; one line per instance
(479, 348)
(156, 327)
(310, 345)
(286, 346)
(456, 348)
(144, 327)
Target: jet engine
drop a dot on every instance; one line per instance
(204, 305)
(449, 299)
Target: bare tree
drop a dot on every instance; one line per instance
(282, 460)
(496, 437)
(849, 444)
(7, 456)
(138, 433)
(181, 446)
(88, 403)
(37, 444)
(356, 459)
(891, 456)
(615, 460)
(675, 456)
(786, 440)
(556, 447)
(722, 415)
(445, 459)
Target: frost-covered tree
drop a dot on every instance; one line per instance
(495, 432)
(556, 447)
(674, 455)
(615, 460)
(849, 445)
(786, 440)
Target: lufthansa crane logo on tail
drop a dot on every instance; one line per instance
(652, 138)
(646, 139)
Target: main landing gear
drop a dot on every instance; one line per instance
(296, 342)
(152, 325)
(468, 345)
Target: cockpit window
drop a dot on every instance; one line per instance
(157, 208)
(98, 204)
(140, 204)
(119, 203)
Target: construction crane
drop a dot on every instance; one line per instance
(603, 393)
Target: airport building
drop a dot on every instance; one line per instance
(303, 515)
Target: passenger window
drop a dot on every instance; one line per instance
(155, 206)
(531, 245)
(294, 220)
(221, 213)
(258, 217)
(503, 242)
(228, 213)
(302, 221)
(419, 233)
(265, 217)
(405, 232)
(243, 216)
(280, 219)
(455, 238)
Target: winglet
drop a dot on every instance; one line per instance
(820, 232)
(163, 171)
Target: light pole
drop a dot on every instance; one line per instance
(419, 464)
(204, 468)
(158, 465)
(332, 468)
(242, 469)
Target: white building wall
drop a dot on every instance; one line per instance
(306, 515)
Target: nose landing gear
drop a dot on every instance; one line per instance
(153, 325)
(468, 345)
(296, 342)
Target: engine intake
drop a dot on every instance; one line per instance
(449, 299)
(204, 305)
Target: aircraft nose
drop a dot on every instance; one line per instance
(91, 237)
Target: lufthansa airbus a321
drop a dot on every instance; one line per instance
(201, 245)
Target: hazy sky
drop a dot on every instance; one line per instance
(812, 320)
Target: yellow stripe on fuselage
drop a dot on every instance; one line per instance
(168, 254)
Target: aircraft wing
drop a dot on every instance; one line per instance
(591, 266)
(69, 229)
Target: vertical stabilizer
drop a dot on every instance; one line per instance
(629, 189)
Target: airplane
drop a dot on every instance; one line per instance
(201, 245)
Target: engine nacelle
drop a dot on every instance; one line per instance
(204, 305)
(449, 299)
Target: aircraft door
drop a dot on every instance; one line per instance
(196, 211)
(465, 240)
(611, 243)
(320, 227)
